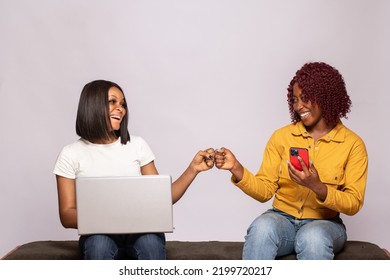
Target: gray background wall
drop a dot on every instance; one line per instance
(197, 74)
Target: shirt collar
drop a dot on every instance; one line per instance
(337, 134)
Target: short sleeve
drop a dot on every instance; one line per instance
(144, 151)
(64, 165)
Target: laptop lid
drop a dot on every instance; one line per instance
(119, 205)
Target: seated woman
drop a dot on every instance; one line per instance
(107, 149)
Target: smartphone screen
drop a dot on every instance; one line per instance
(303, 153)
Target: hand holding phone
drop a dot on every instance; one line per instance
(303, 153)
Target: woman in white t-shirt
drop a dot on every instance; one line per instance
(107, 149)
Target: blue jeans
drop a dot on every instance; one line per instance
(275, 233)
(148, 246)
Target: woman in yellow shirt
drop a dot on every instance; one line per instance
(305, 217)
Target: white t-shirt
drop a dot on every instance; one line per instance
(85, 159)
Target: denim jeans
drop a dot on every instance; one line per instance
(275, 233)
(148, 246)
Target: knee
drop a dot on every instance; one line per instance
(314, 244)
(266, 235)
(99, 247)
(317, 235)
(150, 246)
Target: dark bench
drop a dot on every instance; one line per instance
(184, 250)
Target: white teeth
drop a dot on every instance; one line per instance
(116, 117)
(304, 114)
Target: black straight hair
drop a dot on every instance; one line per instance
(93, 122)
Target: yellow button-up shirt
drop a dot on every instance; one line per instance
(340, 158)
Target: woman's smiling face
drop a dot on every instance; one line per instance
(117, 107)
(309, 112)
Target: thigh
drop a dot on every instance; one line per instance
(271, 234)
(275, 222)
(320, 239)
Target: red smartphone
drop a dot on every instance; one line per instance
(303, 153)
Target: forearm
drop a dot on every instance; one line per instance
(256, 186)
(320, 190)
(69, 218)
(180, 186)
(348, 202)
(67, 201)
(237, 171)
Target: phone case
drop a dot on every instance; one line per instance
(303, 153)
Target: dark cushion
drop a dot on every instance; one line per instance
(183, 250)
(218, 250)
(46, 250)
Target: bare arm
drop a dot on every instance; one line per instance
(67, 201)
(201, 162)
(149, 169)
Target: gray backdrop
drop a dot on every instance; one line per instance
(197, 74)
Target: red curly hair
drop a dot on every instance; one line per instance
(321, 84)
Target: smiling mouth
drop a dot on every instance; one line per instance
(304, 115)
(118, 118)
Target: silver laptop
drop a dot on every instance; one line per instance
(118, 205)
